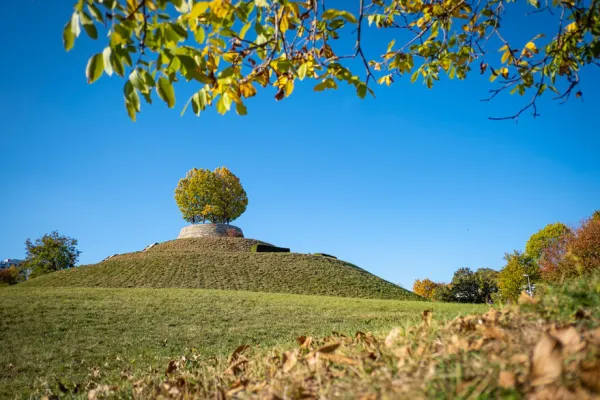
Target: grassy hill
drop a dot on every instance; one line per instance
(66, 341)
(227, 264)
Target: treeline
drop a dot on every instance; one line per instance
(552, 255)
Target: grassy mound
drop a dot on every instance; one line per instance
(64, 342)
(227, 264)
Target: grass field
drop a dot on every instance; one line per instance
(54, 339)
(227, 264)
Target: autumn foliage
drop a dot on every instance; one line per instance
(9, 276)
(216, 196)
(426, 287)
(574, 254)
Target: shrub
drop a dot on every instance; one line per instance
(9, 276)
(325, 255)
(265, 248)
(234, 233)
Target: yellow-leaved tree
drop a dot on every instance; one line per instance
(229, 49)
(216, 196)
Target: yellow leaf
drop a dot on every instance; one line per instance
(531, 46)
(289, 87)
(198, 9)
(247, 89)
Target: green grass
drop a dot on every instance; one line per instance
(227, 264)
(55, 337)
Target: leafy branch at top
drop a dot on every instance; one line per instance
(230, 48)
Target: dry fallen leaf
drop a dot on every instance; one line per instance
(506, 380)
(570, 339)
(546, 363)
(172, 367)
(236, 353)
(336, 358)
(491, 332)
(427, 316)
(590, 375)
(527, 299)
(391, 337)
(290, 361)
(330, 348)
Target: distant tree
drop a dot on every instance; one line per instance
(575, 254)
(487, 281)
(425, 287)
(511, 279)
(544, 238)
(443, 293)
(216, 196)
(51, 252)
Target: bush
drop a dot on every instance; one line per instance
(265, 248)
(325, 255)
(234, 233)
(9, 276)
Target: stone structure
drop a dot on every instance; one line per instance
(209, 230)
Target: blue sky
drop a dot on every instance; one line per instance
(412, 184)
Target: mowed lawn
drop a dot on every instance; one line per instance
(58, 337)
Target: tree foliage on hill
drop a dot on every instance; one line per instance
(9, 276)
(545, 238)
(229, 48)
(511, 279)
(425, 288)
(216, 196)
(52, 252)
(575, 254)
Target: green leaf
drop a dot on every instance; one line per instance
(94, 69)
(261, 3)
(414, 76)
(88, 26)
(199, 35)
(96, 13)
(332, 14)
(68, 37)
(240, 109)
(361, 90)
(223, 104)
(302, 71)
(245, 29)
(166, 92)
(106, 59)
(116, 64)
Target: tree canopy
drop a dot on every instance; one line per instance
(229, 48)
(544, 238)
(216, 196)
(52, 252)
(512, 279)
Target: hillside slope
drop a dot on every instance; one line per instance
(226, 263)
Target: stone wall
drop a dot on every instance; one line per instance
(207, 230)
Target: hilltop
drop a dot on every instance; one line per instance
(227, 264)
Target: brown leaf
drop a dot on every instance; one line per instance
(172, 367)
(427, 315)
(391, 337)
(279, 95)
(304, 341)
(330, 348)
(527, 299)
(491, 332)
(546, 363)
(236, 353)
(570, 339)
(290, 361)
(336, 358)
(506, 380)
(590, 375)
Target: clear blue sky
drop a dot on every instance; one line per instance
(412, 184)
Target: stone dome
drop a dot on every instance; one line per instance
(210, 230)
